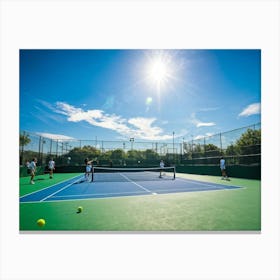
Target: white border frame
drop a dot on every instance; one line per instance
(140, 24)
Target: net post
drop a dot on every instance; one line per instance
(92, 174)
(174, 172)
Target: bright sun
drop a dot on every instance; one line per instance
(159, 70)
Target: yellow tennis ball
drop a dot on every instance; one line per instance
(41, 222)
(80, 209)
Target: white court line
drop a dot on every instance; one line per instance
(202, 183)
(49, 186)
(88, 198)
(60, 190)
(154, 193)
(135, 183)
(131, 196)
(120, 193)
(98, 194)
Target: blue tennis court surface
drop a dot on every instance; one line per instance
(79, 188)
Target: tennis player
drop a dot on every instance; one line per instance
(161, 165)
(32, 168)
(223, 168)
(51, 166)
(89, 169)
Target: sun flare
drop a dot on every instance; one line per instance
(159, 70)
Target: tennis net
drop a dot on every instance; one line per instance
(105, 174)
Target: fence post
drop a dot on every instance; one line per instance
(51, 148)
(39, 153)
(56, 148)
(22, 149)
(221, 145)
(204, 140)
(42, 157)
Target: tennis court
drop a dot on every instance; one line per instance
(125, 202)
(119, 183)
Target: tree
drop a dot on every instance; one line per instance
(134, 155)
(211, 150)
(150, 154)
(249, 142)
(106, 155)
(197, 151)
(118, 154)
(24, 140)
(78, 155)
(249, 145)
(232, 150)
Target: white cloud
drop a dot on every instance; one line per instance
(143, 129)
(145, 125)
(198, 137)
(252, 109)
(199, 123)
(205, 124)
(209, 134)
(138, 127)
(55, 136)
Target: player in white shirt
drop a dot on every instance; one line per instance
(51, 167)
(223, 168)
(161, 165)
(32, 168)
(89, 169)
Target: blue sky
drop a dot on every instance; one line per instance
(144, 94)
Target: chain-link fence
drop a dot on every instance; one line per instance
(240, 146)
(44, 148)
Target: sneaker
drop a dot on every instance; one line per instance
(222, 178)
(32, 182)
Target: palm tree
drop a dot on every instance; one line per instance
(24, 140)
